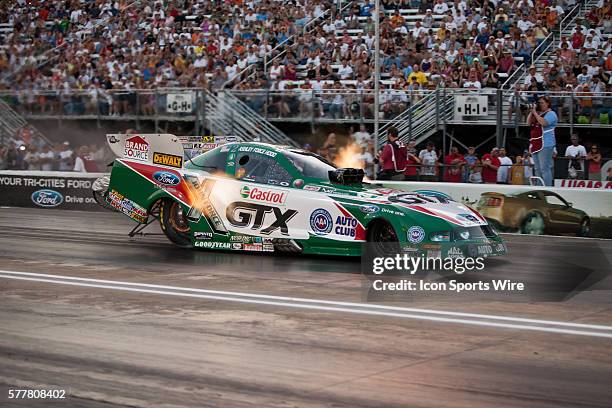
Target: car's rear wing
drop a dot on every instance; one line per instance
(154, 148)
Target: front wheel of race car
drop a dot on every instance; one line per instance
(174, 223)
(382, 239)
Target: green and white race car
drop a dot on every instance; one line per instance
(258, 197)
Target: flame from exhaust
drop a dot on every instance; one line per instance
(348, 156)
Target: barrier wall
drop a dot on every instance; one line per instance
(595, 203)
(48, 189)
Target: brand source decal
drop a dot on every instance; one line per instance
(47, 198)
(321, 221)
(264, 195)
(166, 178)
(136, 148)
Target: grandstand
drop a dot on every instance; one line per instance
(288, 61)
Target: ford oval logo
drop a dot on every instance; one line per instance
(166, 178)
(47, 198)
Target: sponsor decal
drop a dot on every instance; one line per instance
(312, 188)
(231, 156)
(284, 183)
(210, 214)
(258, 150)
(346, 226)
(273, 182)
(416, 234)
(236, 246)
(230, 164)
(434, 254)
(480, 250)
(253, 247)
(298, 183)
(136, 148)
(268, 248)
(263, 195)
(213, 245)
(208, 139)
(572, 183)
(469, 217)
(321, 221)
(47, 198)
(435, 247)
(127, 206)
(250, 215)
(167, 160)
(202, 235)
(369, 208)
(464, 234)
(166, 178)
(410, 249)
(113, 139)
(500, 248)
(386, 210)
(245, 239)
(455, 252)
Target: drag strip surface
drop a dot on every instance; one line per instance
(136, 322)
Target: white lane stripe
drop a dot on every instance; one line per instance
(319, 301)
(322, 305)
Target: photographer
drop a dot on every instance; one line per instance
(542, 115)
(393, 157)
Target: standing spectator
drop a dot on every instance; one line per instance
(429, 162)
(454, 163)
(503, 172)
(517, 172)
(490, 165)
(476, 173)
(32, 158)
(362, 137)
(393, 157)
(594, 162)
(412, 164)
(470, 160)
(84, 163)
(575, 153)
(543, 159)
(3, 152)
(46, 157)
(66, 162)
(367, 160)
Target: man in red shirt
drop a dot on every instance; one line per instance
(490, 164)
(454, 163)
(412, 163)
(393, 157)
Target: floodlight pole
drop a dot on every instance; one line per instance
(376, 70)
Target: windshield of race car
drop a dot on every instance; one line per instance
(309, 164)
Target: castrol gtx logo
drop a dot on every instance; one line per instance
(166, 178)
(47, 198)
(136, 148)
(263, 195)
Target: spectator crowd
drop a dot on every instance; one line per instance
(107, 49)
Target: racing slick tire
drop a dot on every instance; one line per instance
(173, 222)
(382, 238)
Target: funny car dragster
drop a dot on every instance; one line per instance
(258, 197)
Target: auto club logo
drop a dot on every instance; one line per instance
(321, 221)
(416, 234)
(136, 148)
(267, 195)
(47, 198)
(166, 178)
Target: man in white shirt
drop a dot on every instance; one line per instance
(362, 137)
(533, 75)
(440, 7)
(345, 71)
(575, 168)
(503, 171)
(429, 159)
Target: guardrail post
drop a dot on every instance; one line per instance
(156, 111)
(571, 111)
(137, 113)
(499, 119)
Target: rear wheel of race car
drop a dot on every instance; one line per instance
(173, 221)
(533, 224)
(382, 238)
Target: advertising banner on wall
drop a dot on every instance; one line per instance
(48, 189)
(531, 209)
